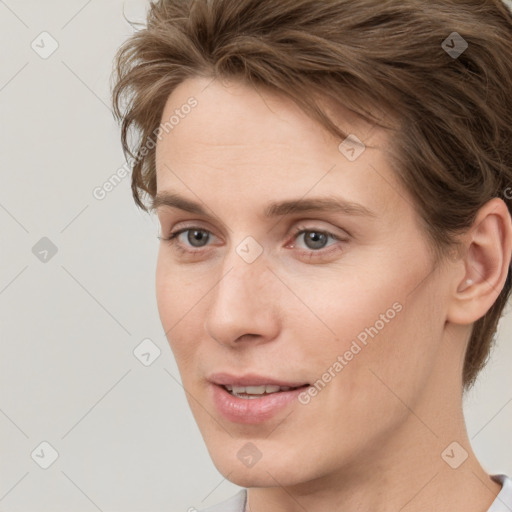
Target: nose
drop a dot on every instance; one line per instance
(244, 304)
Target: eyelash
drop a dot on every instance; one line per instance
(172, 240)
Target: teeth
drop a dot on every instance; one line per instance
(256, 390)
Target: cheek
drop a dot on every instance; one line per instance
(345, 308)
(178, 291)
(178, 302)
(167, 288)
(396, 343)
(371, 321)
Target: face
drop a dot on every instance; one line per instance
(340, 303)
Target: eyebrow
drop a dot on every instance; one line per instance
(273, 209)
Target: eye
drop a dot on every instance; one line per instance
(315, 240)
(195, 236)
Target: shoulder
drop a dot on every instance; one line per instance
(234, 504)
(503, 502)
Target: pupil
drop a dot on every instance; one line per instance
(318, 239)
(197, 236)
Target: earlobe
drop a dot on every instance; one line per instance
(486, 264)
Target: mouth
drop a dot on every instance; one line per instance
(253, 399)
(253, 392)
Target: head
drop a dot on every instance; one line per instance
(254, 111)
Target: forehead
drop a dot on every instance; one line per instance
(233, 112)
(251, 143)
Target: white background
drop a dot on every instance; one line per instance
(125, 438)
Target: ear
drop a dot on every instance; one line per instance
(486, 262)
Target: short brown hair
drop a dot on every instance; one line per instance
(453, 146)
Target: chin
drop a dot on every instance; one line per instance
(252, 478)
(260, 475)
(268, 469)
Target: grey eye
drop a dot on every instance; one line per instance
(196, 236)
(315, 239)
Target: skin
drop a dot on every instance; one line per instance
(372, 439)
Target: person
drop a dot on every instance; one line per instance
(332, 180)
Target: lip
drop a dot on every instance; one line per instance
(226, 379)
(251, 410)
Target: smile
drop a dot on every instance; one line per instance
(251, 392)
